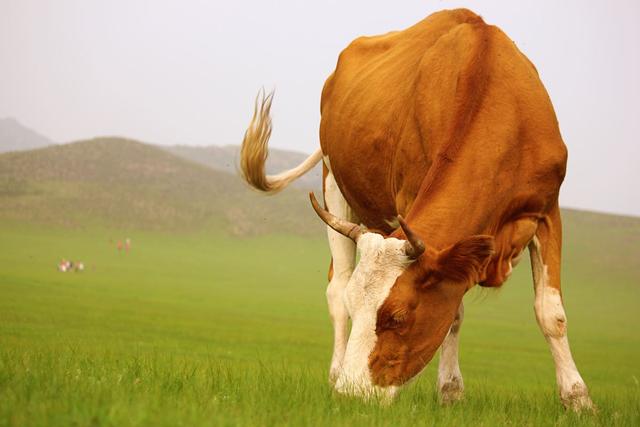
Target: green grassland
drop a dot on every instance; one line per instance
(217, 316)
(194, 328)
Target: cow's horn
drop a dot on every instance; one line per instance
(414, 246)
(346, 228)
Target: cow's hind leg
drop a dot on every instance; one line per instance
(343, 255)
(450, 384)
(545, 262)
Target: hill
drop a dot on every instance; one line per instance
(16, 137)
(606, 245)
(120, 183)
(225, 159)
(115, 182)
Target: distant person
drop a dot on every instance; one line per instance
(119, 245)
(127, 244)
(64, 266)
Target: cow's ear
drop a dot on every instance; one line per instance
(464, 260)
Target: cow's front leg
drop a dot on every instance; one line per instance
(343, 254)
(450, 384)
(545, 263)
(339, 319)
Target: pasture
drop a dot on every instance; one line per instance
(206, 329)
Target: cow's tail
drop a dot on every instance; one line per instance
(254, 152)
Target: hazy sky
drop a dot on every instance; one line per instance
(187, 72)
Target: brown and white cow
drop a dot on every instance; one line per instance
(447, 125)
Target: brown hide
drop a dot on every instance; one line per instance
(448, 124)
(445, 123)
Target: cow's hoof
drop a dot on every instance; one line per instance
(577, 399)
(451, 391)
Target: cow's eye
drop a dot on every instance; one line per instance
(396, 319)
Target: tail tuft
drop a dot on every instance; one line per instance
(255, 150)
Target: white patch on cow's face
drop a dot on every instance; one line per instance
(381, 262)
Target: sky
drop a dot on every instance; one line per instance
(187, 72)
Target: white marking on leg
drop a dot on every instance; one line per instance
(450, 384)
(343, 253)
(327, 162)
(553, 323)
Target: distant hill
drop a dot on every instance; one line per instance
(16, 137)
(120, 183)
(226, 159)
(603, 243)
(117, 182)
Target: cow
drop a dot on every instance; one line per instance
(442, 162)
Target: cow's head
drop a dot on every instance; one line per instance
(402, 298)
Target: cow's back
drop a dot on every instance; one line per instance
(403, 109)
(368, 115)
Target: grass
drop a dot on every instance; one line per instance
(201, 329)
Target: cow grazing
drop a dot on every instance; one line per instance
(442, 162)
